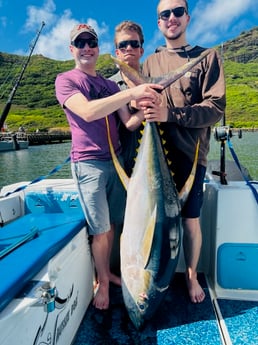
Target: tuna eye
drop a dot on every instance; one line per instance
(142, 305)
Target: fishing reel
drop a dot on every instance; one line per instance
(222, 133)
(47, 294)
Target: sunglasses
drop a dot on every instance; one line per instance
(81, 42)
(178, 12)
(124, 44)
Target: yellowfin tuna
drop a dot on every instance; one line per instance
(150, 239)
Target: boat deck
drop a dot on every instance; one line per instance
(177, 321)
(228, 315)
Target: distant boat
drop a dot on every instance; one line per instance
(10, 141)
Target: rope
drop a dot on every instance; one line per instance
(40, 178)
(248, 182)
(121, 173)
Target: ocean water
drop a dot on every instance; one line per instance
(245, 148)
(27, 165)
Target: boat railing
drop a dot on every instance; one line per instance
(9, 136)
(6, 137)
(22, 136)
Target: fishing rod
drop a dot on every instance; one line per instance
(11, 95)
(221, 134)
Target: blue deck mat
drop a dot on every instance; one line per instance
(241, 319)
(177, 321)
(21, 265)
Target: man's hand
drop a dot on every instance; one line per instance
(146, 91)
(155, 113)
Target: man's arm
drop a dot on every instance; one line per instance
(91, 110)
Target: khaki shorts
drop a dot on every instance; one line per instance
(101, 194)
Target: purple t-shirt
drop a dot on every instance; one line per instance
(89, 139)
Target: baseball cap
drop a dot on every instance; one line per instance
(79, 29)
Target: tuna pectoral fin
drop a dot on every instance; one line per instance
(121, 173)
(183, 194)
(148, 237)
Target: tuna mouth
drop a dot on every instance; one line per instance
(136, 309)
(142, 303)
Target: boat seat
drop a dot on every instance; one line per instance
(52, 202)
(49, 234)
(10, 209)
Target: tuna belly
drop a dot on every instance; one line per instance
(150, 239)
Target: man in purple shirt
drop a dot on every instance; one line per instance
(88, 100)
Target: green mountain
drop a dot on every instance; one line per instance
(35, 106)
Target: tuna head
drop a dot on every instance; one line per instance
(150, 239)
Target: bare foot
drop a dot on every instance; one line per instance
(115, 279)
(195, 290)
(101, 299)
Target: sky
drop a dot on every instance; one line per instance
(212, 23)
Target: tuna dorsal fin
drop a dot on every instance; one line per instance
(148, 237)
(184, 192)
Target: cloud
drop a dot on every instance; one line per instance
(55, 37)
(55, 42)
(211, 20)
(36, 14)
(157, 40)
(3, 21)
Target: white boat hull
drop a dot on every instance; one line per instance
(230, 218)
(29, 317)
(25, 319)
(229, 253)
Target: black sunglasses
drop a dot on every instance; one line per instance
(124, 44)
(80, 42)
(178, 12)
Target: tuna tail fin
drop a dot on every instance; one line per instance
(183, 194)
(170, 78)
(135, 77)
(121, 172)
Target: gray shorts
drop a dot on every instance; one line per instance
(101, 194)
